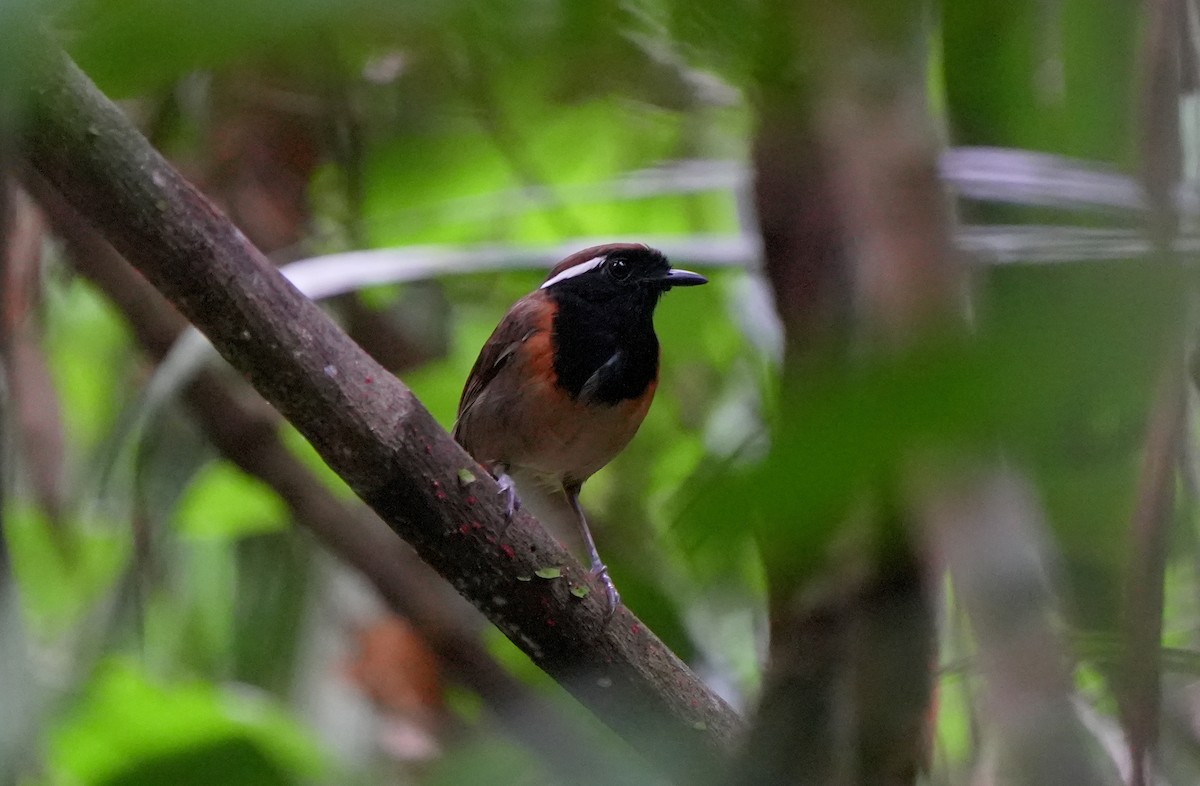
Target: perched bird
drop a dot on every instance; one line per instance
(565, 380)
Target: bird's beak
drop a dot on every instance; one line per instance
(682, 278)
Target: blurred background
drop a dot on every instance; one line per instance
(178, 607)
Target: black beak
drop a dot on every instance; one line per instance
(682, 278)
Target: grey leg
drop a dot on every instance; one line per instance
(599, 569)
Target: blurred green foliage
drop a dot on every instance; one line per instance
(130, 729)
(58, 588)
(533, 175)
(87, 346)
(173, 598)
(247, 505)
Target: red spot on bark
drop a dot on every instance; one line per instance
(369, 380)
(550, 623)
(635, 629)
(463, 529)
(508, 551)
(470, 500)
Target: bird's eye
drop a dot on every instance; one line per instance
(619, 269)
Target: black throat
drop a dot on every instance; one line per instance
(606, 352)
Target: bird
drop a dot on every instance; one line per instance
(565, 380)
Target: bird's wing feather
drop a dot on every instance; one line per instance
(522, 321)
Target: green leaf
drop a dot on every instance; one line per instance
(464, 185)
(87, 344)
(129, 729)
(548, 573)
(1010, 83)
(223, 502)
(133, 45)
(59, 579)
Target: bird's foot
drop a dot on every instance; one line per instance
(508, 490)
(600, 572)
(512, 503)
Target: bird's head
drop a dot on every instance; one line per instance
(624, 271)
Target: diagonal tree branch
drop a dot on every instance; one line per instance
(246, 431)
(367, 425)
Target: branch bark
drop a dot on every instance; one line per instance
(367, 426)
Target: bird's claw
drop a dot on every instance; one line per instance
(512, 503)
(508, 490)
(600, 572)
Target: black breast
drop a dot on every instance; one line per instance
(604, 355)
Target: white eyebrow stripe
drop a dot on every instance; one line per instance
(575, 270)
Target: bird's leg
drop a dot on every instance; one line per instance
(599, 569)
